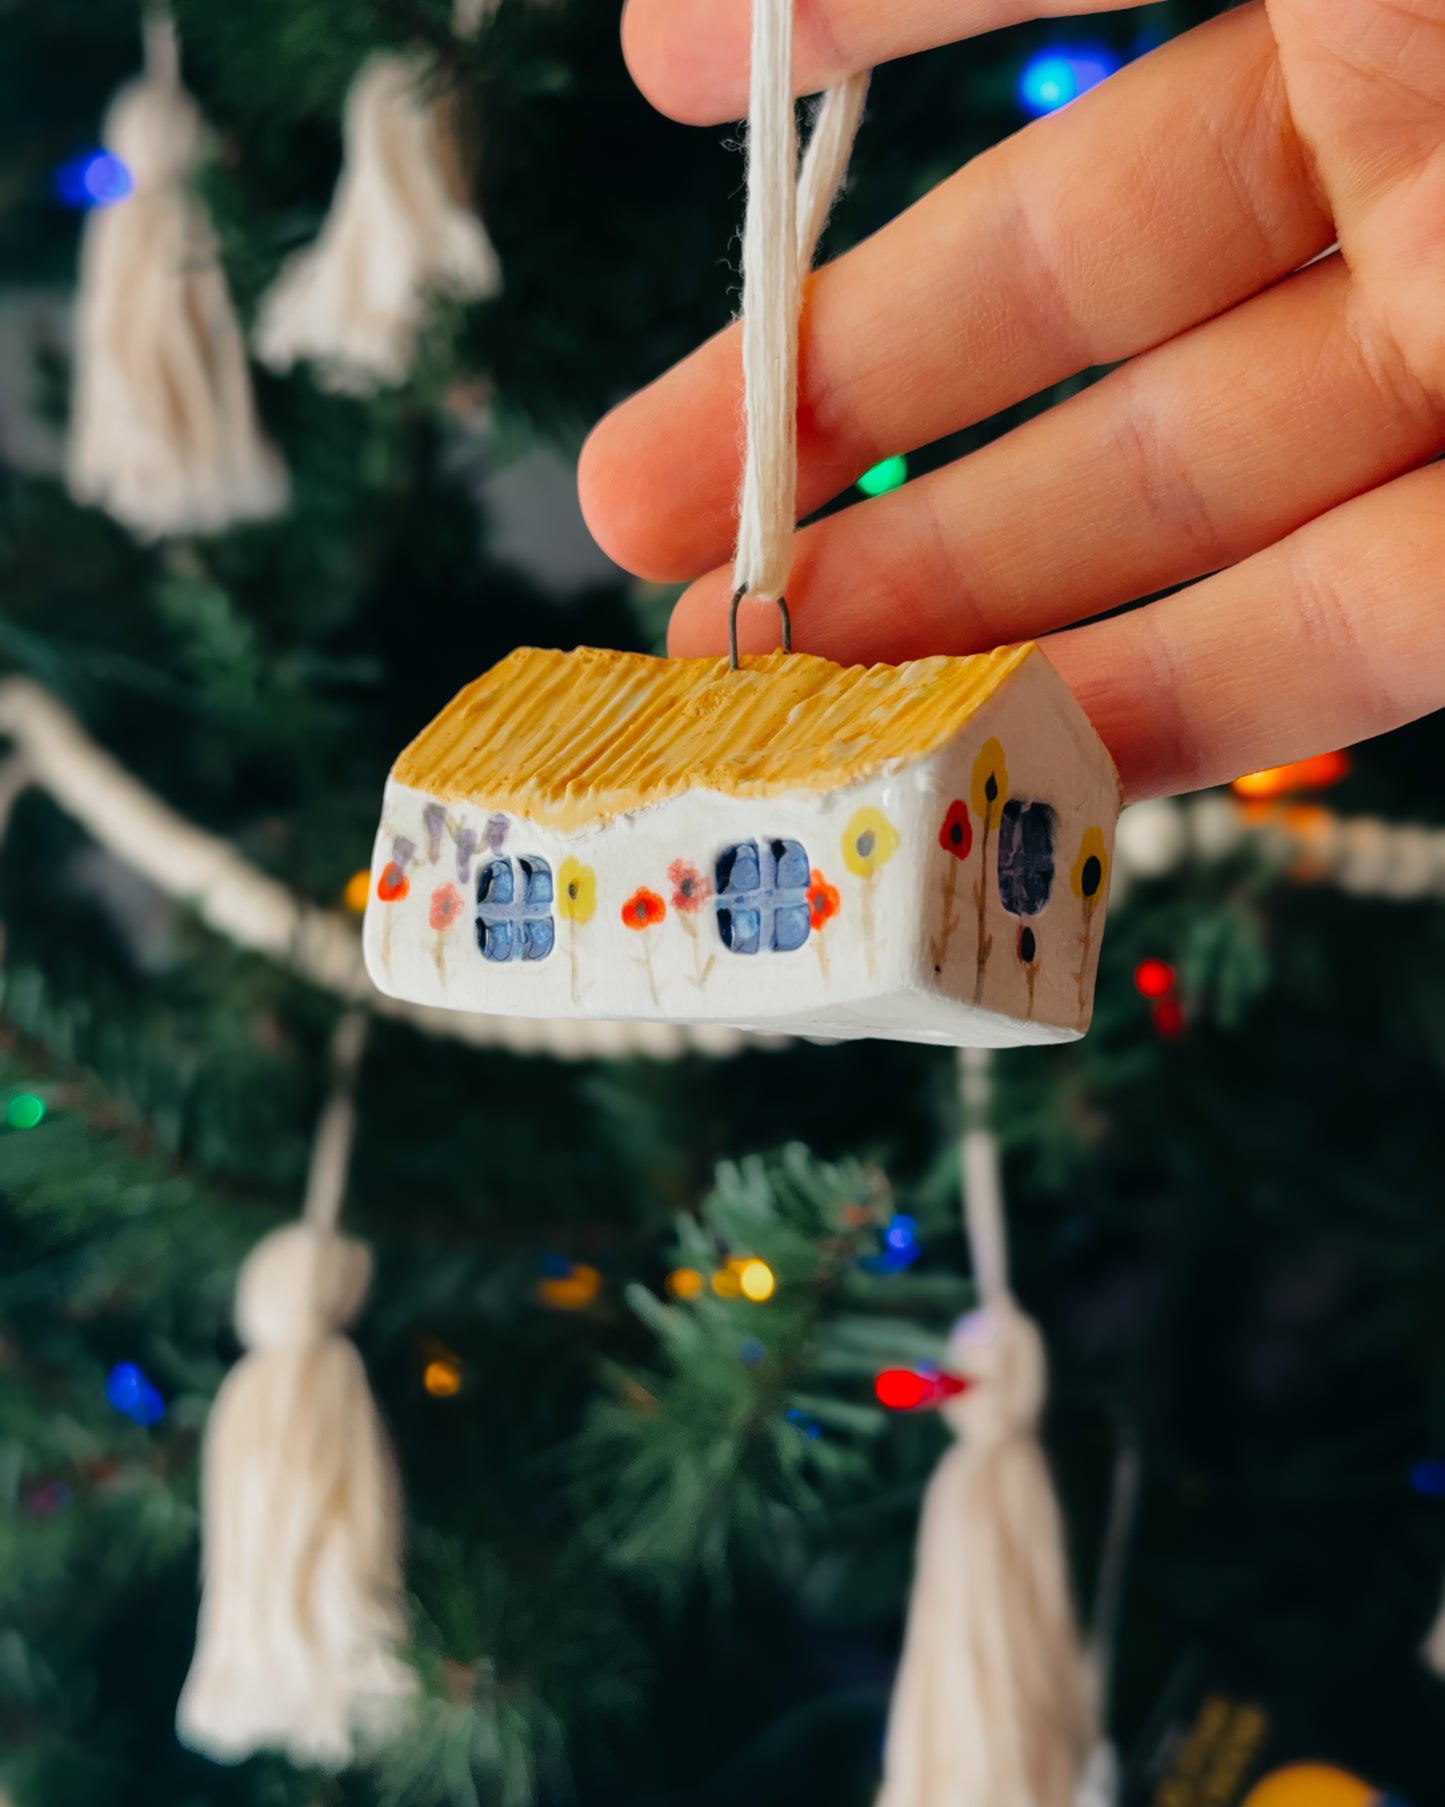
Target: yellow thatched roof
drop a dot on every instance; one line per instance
(567, 739)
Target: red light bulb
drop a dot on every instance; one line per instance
(900, 1389)
(1154, 978)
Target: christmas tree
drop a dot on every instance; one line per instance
(650, 1312)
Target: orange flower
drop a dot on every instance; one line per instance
(823, 900)
(644, 909)
(690, 890)
(393, 884)
(446, 906)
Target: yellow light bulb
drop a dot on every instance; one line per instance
(442, 1379)
(725, 1282)
(358, 889)
(685, 1283)
(757, 1280)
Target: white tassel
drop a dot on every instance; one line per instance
(991, 1706)
(164, 433)
(302, 1612)
(354, 302)
(994, 1704)
(1432, 1651)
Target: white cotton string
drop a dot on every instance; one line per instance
(780, 237)
(331, 1150)
(161, 47)
(983, 1214)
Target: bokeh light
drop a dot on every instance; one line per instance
(24, 1110)
(889, 473)
(1052, 78)
(93, 179)
(129, 1392)
(442, 1379)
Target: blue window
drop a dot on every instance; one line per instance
(514, 910)
(1025, 857)
(762, 897)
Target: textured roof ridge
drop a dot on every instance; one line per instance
(567, 739)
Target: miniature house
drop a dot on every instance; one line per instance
(919, 851)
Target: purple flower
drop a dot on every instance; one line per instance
(466, 851)
(497, 827)
(403, 851)
(434, 816)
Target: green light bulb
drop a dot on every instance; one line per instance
(885, 476)
(24, 1111)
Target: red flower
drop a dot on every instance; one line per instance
(690, 890)
(956, 835)
(823, 901)
(446, 906)
(644, 909)
(393, 884)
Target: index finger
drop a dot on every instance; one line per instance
(690, 57)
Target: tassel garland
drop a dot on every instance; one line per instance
(354, 302)
(993, 1705)
(164, 433)
(302, 1612)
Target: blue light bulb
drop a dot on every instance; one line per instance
(1428, 1477)
(1053, 78)
(95, 178)
(131, 1394)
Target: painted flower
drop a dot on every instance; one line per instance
(690, 890)
(644, 909)
(823, 901)
(434, 818)
(466, 839)
(869, 841)
(956, 834)
(990, 783)
(393, 884)
(1090, 870)
(497, 827)
(446, 906)
(576, 891)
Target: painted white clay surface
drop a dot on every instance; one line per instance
(898, 958)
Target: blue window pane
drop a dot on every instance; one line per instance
(537, 881)
(495, 940)
(495, 884)
(1025, 856)
(741, 930)
(514, 915)
(762, 897)
(790, 927)
(790, 866)
(737, 869)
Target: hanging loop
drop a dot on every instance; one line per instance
(738, 595)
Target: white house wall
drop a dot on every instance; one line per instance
(631, 943)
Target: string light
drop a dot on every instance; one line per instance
(1168, 1015)
(685, 1283)
(1315, 774)
(889, 473)
(757, 1281)
(130, 1393)
(725, 1282)
(358, 889)
(1153, 978)
(1428, 1477)
(442, 1378)
(93, 179)
(906, 1389)
(1053, 78)
(810, 1427)
(24, 1110)
(571, 1290)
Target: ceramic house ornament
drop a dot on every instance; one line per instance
(919, 852)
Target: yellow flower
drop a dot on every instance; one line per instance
(576, 891)
(990, 783)
(869, 841)
(1090, 871)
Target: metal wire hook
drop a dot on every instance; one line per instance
(733, 626)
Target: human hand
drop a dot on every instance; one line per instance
(1267, 427)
